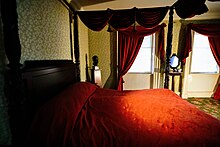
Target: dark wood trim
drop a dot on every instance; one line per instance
(10, 29)
(173, 75)
(68, 6)
(71, 33)
(76, 45)
(169, 47)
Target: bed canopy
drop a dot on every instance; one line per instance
(121, 20)
(97, 20)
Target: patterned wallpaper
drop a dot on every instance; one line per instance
(44, 34)
(43, 30)
(99, 44)
(84, 49)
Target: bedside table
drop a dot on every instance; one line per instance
(173, 74)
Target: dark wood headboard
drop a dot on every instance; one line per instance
(29, 87)
(45, 79)
(42, 80)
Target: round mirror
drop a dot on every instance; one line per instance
(174, 62)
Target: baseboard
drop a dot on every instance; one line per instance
(201, 94)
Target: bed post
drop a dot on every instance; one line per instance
(76, 46)
(73, 14)
(169, 47)
(71, 34)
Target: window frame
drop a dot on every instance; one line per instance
(191, 60)
(153, 46)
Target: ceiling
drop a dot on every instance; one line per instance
(213, 13)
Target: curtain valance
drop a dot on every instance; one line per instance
(190, 8)
(122, 19)
(209, 30)
(212, 31)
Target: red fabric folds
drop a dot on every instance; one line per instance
(55, 128)
(190, 8)
(212, 31)
(130, 42)
(96, 117)
(151, 17)
(95, 20)
(215, 47)
(122, 19)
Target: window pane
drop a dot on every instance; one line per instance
(202, 57)
(143, 61)
(147, 42)
(201, 41)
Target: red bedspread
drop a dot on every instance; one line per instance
(85, 115)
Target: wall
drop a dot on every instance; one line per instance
(44, 34)
(99, 44)
(137, 81)
(196, 85)
(201, 85)
(84, 49)
(43, 30)
(5, 137)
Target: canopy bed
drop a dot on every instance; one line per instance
(49, 106)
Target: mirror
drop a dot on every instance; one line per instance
(174, 62)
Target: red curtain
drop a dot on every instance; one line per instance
(212, 31)
(215, 47)
(130, 42)
(122, 19)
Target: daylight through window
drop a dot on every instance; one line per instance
(203, 60)
(144, 60)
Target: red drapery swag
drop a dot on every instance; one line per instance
(129, 42)
(212, 31)
(190, 8)
(122, 19)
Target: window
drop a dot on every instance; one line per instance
(203, 60)
(144, 60)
